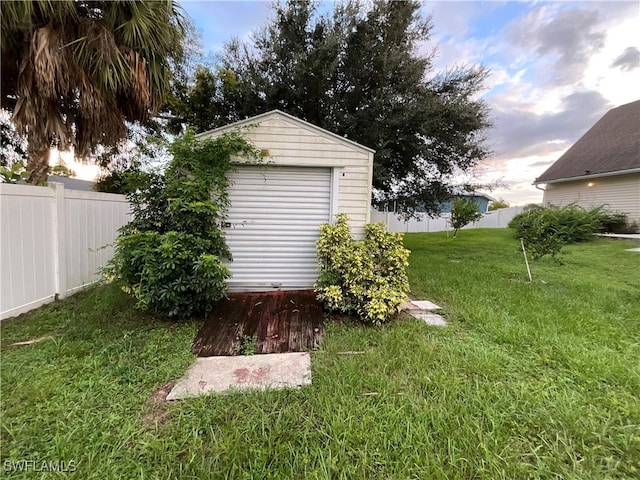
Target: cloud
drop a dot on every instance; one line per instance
(542, 163)
(628, 60)
(219, 22)
(561, 41)
(521, 131)
(453, 21)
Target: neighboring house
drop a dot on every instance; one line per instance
(602, 167)
(276, 209)
(72, 183)
(481, 199)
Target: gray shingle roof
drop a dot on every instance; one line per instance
(611, 145)
(72, 183)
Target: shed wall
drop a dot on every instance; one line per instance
(292, 143)
(619, 193)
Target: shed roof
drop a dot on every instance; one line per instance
(611, 146)
(290, 118)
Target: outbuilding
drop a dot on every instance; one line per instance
(309, 176)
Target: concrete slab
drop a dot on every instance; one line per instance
(432, 319)
(425, 305)
(408, 307)
(221, 374)
(624, 236)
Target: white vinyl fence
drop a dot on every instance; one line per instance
(51, 242)
(495, 219)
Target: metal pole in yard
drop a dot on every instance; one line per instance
(525, 259)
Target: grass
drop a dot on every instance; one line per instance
(530, 380)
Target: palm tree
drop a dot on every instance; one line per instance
(74, 71)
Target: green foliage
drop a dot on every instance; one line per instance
(169, 257)
(74, 72)
(463, 212)
(203, 101)
(545, 230)
(62, 171)
(171, 273)
(356, 71)
(114, 181)
(616, 222)
(498, 204)
(248, 345)
(526, 378)
(13, 173)
(367, 277)
(144, 149)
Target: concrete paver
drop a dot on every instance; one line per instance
(423, 310)
(221, 374)
(425, 305)
(432, 319)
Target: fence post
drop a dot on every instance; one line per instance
(59, 240)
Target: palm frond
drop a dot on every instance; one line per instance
(75, 70)
(51, 62)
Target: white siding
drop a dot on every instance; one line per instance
(51, 242)
(619, 193)
(293, 142)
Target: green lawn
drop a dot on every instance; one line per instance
(530, 380)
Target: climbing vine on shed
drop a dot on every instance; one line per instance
(170, 255)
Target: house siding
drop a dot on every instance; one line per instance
(291, 142)
(618, 193)
(482, 202)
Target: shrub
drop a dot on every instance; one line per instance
(463, 212)
(169, 257)
(367, 278)
(616, 222)
(116, 181)
(498, 204)
(540, 235)
(13, 173)
(545, 230)
(170, 273)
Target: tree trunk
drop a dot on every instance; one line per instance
(38, 165)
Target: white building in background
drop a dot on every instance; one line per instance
(602, 167)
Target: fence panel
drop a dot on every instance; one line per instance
(424, 223)
(91, 225)
(50, 242)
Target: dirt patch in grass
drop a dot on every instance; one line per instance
(155, 408)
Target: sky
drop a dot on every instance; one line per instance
(556, 68)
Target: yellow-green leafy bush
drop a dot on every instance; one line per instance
(367, 278)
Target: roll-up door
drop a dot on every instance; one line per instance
(273, 225)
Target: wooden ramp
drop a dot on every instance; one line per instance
(289, 321)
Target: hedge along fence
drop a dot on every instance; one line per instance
(53, 242)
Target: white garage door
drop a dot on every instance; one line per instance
(273, 226)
